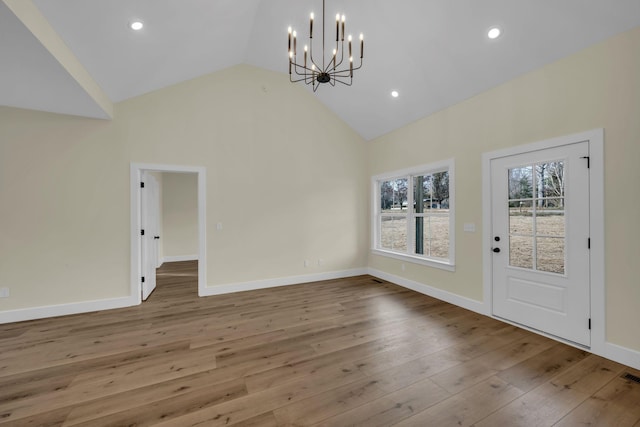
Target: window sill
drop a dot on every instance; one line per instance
(443, 265)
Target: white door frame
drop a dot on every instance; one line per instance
(136, 170)
(596, 226)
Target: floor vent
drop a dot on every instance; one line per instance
(378, 280)
(631, 377)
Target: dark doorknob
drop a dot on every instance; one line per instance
(496, 250)
(156, 237)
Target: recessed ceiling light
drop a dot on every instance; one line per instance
(494, 33)
(136, 25)
(395, 94)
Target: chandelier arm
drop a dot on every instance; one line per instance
(292, 80)
(345, 83)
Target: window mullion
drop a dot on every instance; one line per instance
(411, 226)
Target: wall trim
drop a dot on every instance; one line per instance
(178, 258)
(281, 281)
(32, 313)
(455, 299)
(621, 354)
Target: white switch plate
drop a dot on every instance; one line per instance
(4, 292)
(469, 227)
(219, 226)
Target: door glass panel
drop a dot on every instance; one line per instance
(521, 251)
(550, 251)
(393, 233)
(521, 183)
(520, 223)
(550, 224)
(550, 179)
(537, 217)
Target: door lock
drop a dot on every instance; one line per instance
(496, 250)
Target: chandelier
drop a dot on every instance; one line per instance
(314, 70)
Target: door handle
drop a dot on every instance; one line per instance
(156, 237)
(496, 250)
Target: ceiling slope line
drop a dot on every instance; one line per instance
(35, 22)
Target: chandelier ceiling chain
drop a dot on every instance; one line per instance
(313, 71)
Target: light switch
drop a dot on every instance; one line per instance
(469, 227)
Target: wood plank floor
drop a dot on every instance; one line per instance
(336, 353)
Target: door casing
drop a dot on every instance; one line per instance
(596, 227)
(136, 170)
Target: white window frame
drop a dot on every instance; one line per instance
(409, 173)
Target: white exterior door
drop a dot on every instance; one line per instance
(540, 240)
(150, 224)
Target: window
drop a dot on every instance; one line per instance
(414, 215)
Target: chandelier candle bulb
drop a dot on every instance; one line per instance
(351, 66)
(343, 27)
(305, 56)
(337, 27)
(361, 46)
(290, 39)
(350, 46)
(295, 44)
(311, 26)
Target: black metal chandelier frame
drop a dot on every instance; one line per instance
(314, 72)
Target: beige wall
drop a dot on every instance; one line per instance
(285, 176)
(290, 181)
(596, 88)
(179, 214)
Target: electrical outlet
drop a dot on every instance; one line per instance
(306, 263)
(4, 292)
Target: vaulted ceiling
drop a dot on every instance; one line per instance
(80, 56)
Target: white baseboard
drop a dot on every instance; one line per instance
(623, 355)
(180, 258)
(32, 313)
(468, 303)
(281, 281)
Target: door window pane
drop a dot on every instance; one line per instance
(521, 251)
(550, 224)
(521, 183)
(520, 223)
(550, 179)
(550, 251)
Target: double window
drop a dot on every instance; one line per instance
(413, 215)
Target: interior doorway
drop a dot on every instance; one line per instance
(145, 225)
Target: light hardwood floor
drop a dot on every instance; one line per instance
(343, 352)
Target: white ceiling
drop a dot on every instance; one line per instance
(434, 52)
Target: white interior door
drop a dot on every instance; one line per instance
(540, 241)
(150, 209)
